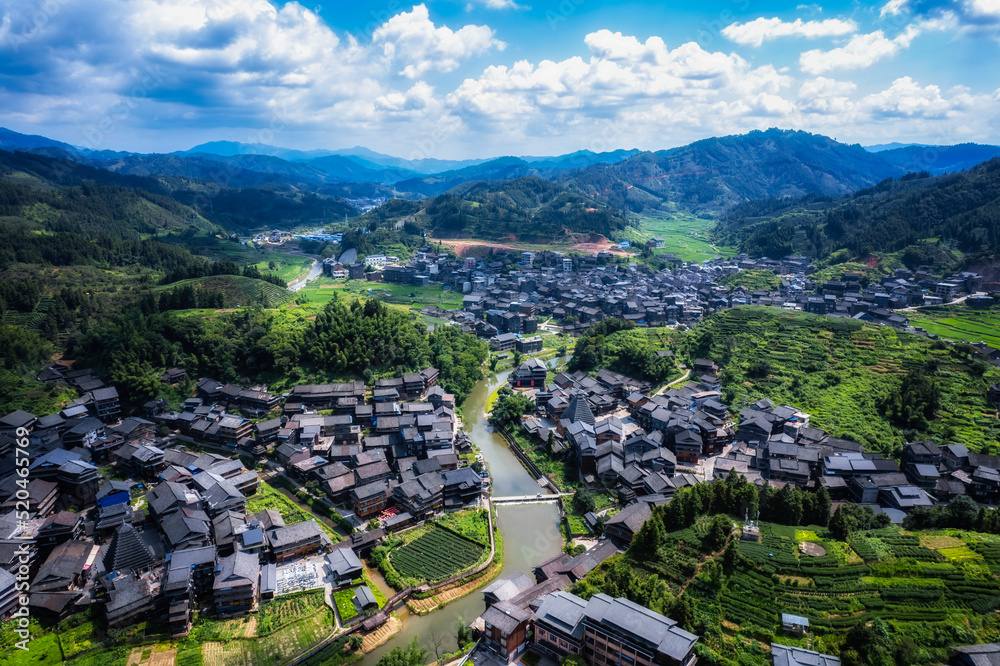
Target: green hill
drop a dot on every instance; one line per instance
(863, 382)
(237, 290)
(526, 209)
(957, 211)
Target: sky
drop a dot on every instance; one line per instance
(455, 79)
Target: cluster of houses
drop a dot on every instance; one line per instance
(540, 615)
(508, 294)
(170, 531)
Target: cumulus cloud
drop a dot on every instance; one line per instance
(758, 31)
(860, 51)
(412, 38)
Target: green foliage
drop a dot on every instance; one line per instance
(510, 406)
(753, 280)
(858, 381)
(957, 210)
(850, 518)
(412, 655)
(584, 501)
(529, 208)
(612, 343)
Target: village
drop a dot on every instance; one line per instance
(149, 516)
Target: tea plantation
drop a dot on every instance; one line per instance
(435, 555)
(932, 589)
(844, 371)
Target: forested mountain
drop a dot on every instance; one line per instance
(939, 159)
(504, 168)
(957, 210)
(158, 202)
(528, 208)
(715, 173)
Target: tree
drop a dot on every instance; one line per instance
(464, 633)
(374, 524)
(412, 655)
(510, 407)
(584, 501)
(437, 642)
(572, 660)
(354, 643)
(651, 538)
(719, 531)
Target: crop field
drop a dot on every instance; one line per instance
(937, 588)
(238, 290)
(436, 554)
(895, 577)
(684, 235)
(960, 323)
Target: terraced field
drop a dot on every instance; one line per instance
(960, 323)
(837, 369)
(239, 290)
(436, 554)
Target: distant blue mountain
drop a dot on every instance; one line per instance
(940, 159)
(880, 147)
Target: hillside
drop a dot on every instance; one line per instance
(958, 210)
(504, 168)
(862, 382)
(719, 172)
(874, 595)
(235, 290)
(527, 209)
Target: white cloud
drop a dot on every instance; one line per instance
(860, 52)
(758, 31)
(412, 38)
(893, 7)
(989, 9)
(907, 99)
(826, 96)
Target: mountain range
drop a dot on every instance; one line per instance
(706, 176)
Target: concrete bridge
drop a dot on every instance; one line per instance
(524, 499)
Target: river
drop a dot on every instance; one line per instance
(314, 272)
(530, 532)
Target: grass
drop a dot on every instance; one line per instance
(684, 235)
(269, 498)
(239, 291)
(470, 523)
(410, 295)
(561, 471)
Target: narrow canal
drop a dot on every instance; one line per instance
(530, 533)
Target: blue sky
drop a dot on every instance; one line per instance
(479, 78)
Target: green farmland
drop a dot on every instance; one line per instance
(685, 235)
(960, 323)
(434, 555)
